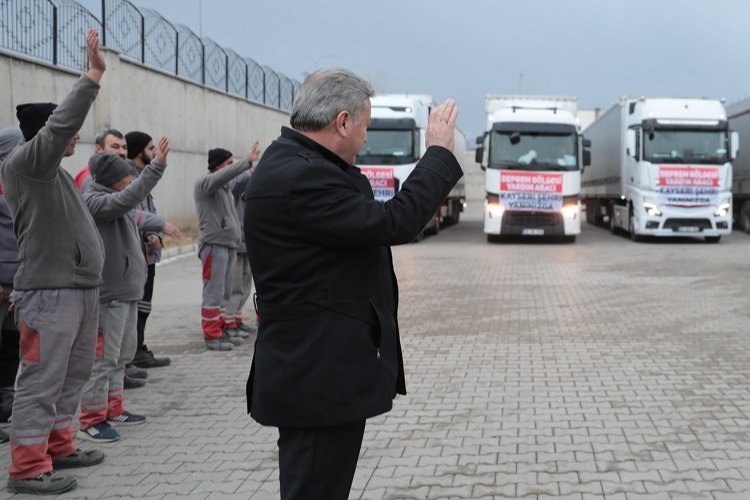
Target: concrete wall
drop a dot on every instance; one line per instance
(136, 97)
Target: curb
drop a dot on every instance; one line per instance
(182, 250)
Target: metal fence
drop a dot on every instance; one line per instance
(55, 31)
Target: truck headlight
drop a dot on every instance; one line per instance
(723, 210)
(651, 209)
(570, 211)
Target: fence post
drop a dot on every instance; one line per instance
(176, 52)
(226, 70)
(104, 23)
(55, 36)
(143, 38)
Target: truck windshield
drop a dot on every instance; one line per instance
(685, 146)
(533, 151)
(389, 147)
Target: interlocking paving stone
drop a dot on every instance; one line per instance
(598, 370)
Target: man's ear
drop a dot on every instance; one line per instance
(343, 121)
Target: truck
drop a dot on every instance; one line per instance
(661, 167)
(738, 114)
(396, 142)
(532, 152)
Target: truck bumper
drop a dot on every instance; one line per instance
(685, 221)
(564, 223)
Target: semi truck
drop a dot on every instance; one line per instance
(738, 114)
(532, 152)
(661, 167)
(396, 142)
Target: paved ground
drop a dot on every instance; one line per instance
(601, 369)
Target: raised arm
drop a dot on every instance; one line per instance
(212, 182)
(40, 157)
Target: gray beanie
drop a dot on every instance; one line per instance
(9, 138)
(108, 169)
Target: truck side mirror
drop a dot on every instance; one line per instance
(586, 157)
(480, 139)
(586, 143)
(630, 143)
(735, 144)
(479, 155)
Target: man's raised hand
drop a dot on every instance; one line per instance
(254, 153)
(441, 125)
(162, 151)
(97, 66)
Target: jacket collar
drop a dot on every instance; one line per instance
(308, 143)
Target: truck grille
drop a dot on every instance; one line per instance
(531, 220)
(676, 224)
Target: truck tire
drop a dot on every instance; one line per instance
(631, 229)
(569, 239)
(745, 217)
(494, 238)
(712, 239)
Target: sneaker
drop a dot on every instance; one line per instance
(146, 359)
(133, 371)
(235, 341)
(49, 483)
(219, 344)
(78, 458)
(247, 328)
(4, 438)
(133, 383)
(100, 433)
(127, 418)
(236, 333)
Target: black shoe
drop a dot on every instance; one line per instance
(49, 483)
(4, 438)
(78, 458)
(146, 359)
(135, 372)
(133, 383)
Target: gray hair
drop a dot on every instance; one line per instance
(327, 92)
(9, 139)
(103, 133)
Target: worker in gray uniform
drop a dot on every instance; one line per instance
(56, 288)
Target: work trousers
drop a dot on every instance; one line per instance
(144, 306)
(242, 285)
(318, 463)
(218, 270)
(115, 347)
(9, 357)
(58, 339)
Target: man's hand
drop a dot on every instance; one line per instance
(441, 125)
(162, 151)
(254, 153)
(154, 243)
(97, 66)
(172, 230)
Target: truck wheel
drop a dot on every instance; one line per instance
(745, 218)
(631, 229)
(713, 239)
(569, 239)
(494, 238)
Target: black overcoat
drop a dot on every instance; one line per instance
(328, 350)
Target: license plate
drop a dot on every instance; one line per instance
(688, 229)
(533, 232)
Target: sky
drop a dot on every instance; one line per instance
(597, 50)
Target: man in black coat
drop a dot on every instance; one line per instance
(328, 354)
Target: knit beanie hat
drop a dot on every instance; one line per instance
(217, 156)
(9, 138)
(33, 116)
(108, 169)
(137, 142)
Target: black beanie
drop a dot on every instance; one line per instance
(217, 156)
(108, 169)
(137, 142)
(33, 116)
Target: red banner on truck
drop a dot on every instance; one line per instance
(688, 185)
(531, 191)
(383, 182)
